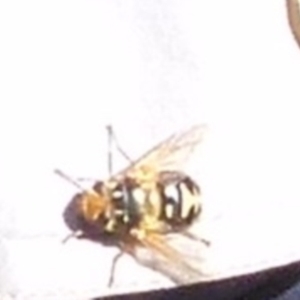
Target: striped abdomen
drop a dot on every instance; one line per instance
(180, 199)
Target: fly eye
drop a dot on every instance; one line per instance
(98, 187)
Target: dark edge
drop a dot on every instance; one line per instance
(256, 286)
(293, 14)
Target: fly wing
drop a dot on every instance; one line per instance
(169, 155)
(161, 256)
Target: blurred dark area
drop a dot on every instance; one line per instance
(293, 16)
(265, 285)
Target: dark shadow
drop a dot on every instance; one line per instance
(293, 15)
(262, 285)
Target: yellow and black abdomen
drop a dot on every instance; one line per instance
(180, 199)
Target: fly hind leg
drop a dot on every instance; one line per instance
(124, 248)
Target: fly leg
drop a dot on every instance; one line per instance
(113, 268)
(196, 238)
(76, 234)
(124, 248)
(112, 137)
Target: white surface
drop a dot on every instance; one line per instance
(68, 68)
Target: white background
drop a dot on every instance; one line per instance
(149, 68)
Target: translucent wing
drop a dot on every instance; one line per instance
(169, 155)
(159, 255)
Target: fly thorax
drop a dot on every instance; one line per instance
(126, 205)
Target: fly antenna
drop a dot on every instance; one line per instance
(69, 179)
